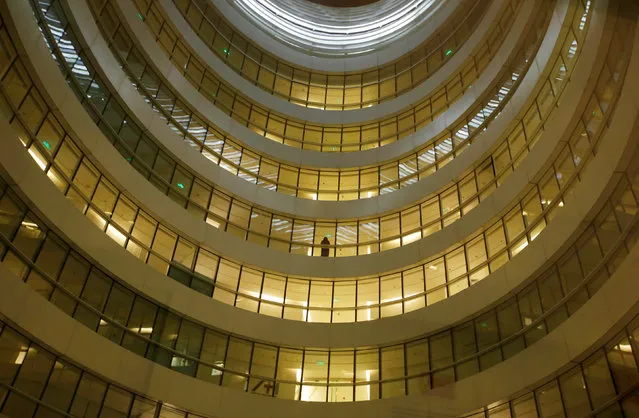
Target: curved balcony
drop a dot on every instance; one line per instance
(364, 234)
(332, 185)
(453, 285)
(308, 26)
(38, 272)
(328, 90)
(282, 122)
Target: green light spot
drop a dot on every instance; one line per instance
(336, 300)
(140, 16)
(483, 325)
(450, 51)
(227, 52)
(128, 159)
(180, 185)
(328, 235)
(46, 144)
(320, 363)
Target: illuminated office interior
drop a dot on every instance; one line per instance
(287, 208)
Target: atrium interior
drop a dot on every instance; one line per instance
(266, 208)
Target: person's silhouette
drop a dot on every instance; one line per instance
(325, 247)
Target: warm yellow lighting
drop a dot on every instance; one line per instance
(369, 314)
(213, 222)
(30, 225)
(305, 312)
(412, 237)
(520, 247)
(216, 372)
(626, 348)
(143, 330)
(116, 235)
(21, 355)
(38, 158)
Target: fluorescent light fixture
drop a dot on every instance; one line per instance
(328, 31)
(22, 354)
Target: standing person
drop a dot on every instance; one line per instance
(325, 247)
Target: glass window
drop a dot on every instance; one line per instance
(341, 371)
(165, 332)
(367, 296)
(32, 378)
(206, 264)
(456, 269)
(435, 281)
(344, 296)
(573, 390)
(189, 343)
(238, 357)
(29, 236)
(366, 370)
(501, 411)
(117, 307)
(289, 367)
(61, 386)
(144, 408)
(315, 371)
(296, 294)
(630, 405)
(272, 291)
(530, 310)
(88, 397)
(263, 365)
(417, 362)
(465, 346)
(116, 403)
(250, 285)
(524, 407)
(598, 380)
(413, 281)
(441, 355)
(549, 401)
(622, 364)
(321, 296)
(213, 354)
(13, 352)
(509, 323)
(140, 321)
(391, 291)
(10, 216)
(226, 282)
(393, 367)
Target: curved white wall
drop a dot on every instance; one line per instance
(329, 117)
(143, 38)
(358, 63)
(581, 208)
(250, 253)
(305, 208)
(603, 315)
(270, 259)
